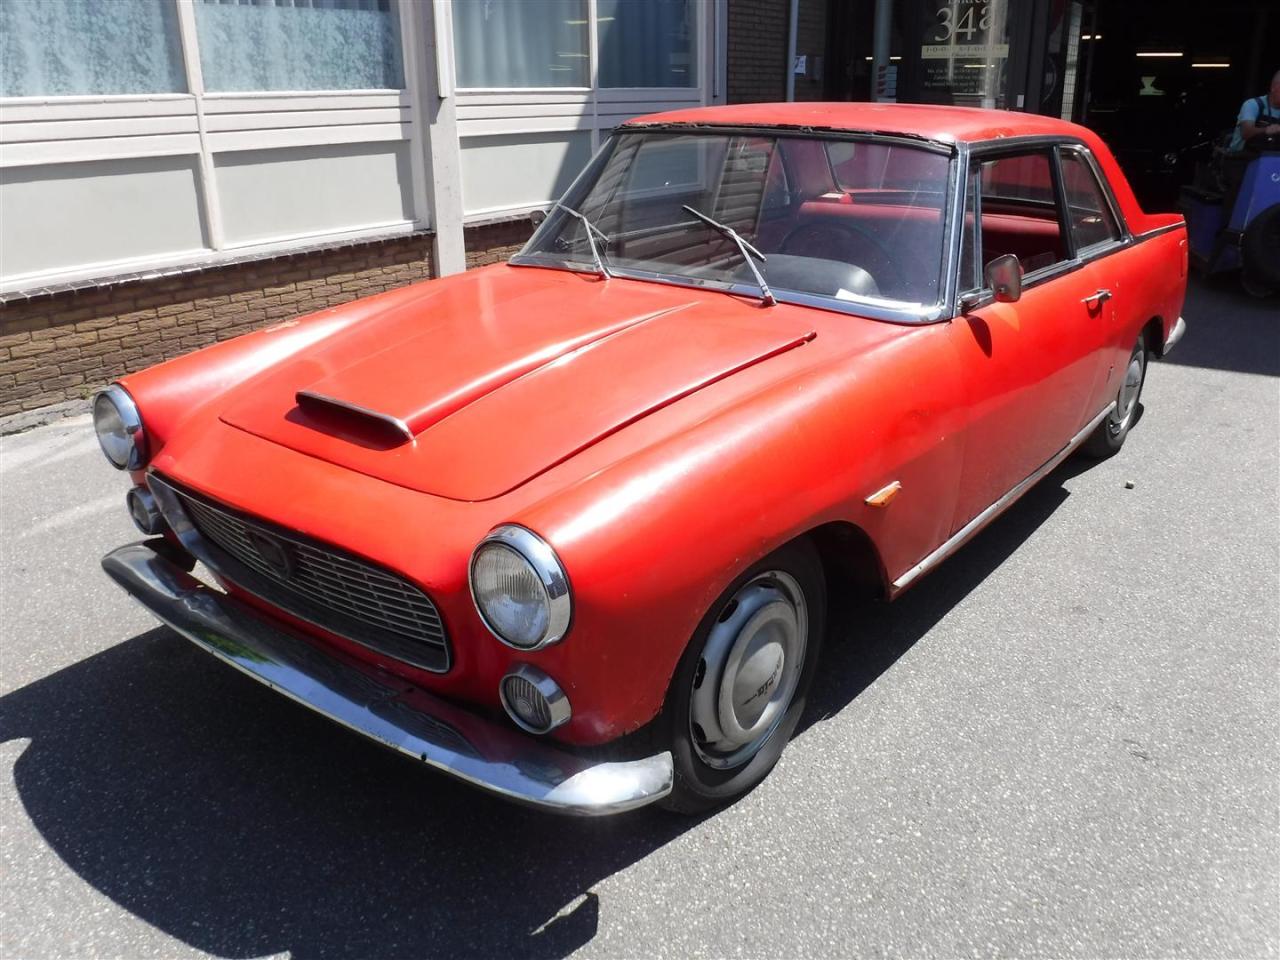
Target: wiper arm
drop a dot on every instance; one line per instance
(749, 253)
(592, 229)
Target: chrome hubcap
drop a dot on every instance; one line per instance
(1127, 402)
(749, 670)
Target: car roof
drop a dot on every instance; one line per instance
(929, 122)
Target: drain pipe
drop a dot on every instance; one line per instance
(791, 50)
(880, 47)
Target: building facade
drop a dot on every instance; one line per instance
(174, 172)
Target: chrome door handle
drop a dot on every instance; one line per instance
(1102, 296)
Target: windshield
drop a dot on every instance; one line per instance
(856, 220)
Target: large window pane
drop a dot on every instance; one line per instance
(299, 45)
(521, 43)
(854, 240)
(51, 48)
(1090, 216)
(1019, 212)
(647, 44)
(964, 52)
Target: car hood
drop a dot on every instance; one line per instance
(481, 382)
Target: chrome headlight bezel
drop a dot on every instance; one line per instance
(546, 566)
(135, 456)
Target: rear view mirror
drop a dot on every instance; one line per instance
(1004, 277)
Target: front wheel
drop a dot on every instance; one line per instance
(1109, 436)
(740, 688)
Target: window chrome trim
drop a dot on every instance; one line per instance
(1159, 231)
(953, 238)
(907, 315)
(889, 311)
(946, 147)
(1086, 155)
(966, 301)
(550, 571)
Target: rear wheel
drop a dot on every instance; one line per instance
(1109, 436)
(740, 688)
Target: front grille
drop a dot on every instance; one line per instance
(321, 584)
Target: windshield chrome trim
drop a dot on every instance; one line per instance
(908, 314)
(914, 314)
(947, 147)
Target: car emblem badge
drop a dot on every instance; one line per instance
(274, 553)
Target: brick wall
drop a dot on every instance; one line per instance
(64, 346)
(495, 242)
(757, 50)
(811, 42)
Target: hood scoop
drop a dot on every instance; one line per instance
(380, 431)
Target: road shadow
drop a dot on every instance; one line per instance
(870, 637)
(242, 825)
(1228, 330)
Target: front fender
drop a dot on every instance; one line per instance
(652, 540)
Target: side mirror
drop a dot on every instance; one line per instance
(536, 217)
(1004, 277)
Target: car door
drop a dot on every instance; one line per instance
(1030, 367)
(1098, 238)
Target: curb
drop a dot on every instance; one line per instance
(28, 419)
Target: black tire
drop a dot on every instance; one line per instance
(698, 785)
(1260, 248)
(1108, 438)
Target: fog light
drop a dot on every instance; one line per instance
(146, 514)
(533, 700)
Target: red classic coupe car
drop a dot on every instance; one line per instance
(566, 527)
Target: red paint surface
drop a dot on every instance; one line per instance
(660, 438)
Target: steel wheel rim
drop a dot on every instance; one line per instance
(749, 670)
(1130, 388)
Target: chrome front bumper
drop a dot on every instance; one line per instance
(383, 707)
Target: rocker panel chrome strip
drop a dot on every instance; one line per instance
(962, 536)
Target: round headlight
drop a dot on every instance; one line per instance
(520, 588)
(119, 428)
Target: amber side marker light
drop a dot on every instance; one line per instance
(884, 496)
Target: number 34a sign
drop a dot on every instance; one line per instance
(966, 28)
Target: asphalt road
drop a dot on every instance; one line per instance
(1064, 743)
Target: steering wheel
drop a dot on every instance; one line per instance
(850, 244)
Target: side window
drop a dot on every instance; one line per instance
(1091, 219)
(1019, 211)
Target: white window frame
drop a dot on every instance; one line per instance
(68, 129)
(504, 111)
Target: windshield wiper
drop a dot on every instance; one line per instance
(749, 253)
(591, 241)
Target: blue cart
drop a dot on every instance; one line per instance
(1240, 230)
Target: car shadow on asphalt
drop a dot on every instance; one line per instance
(230, 819)
(868, 638)
(1229, 330)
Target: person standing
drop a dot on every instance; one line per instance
(1259, 116)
